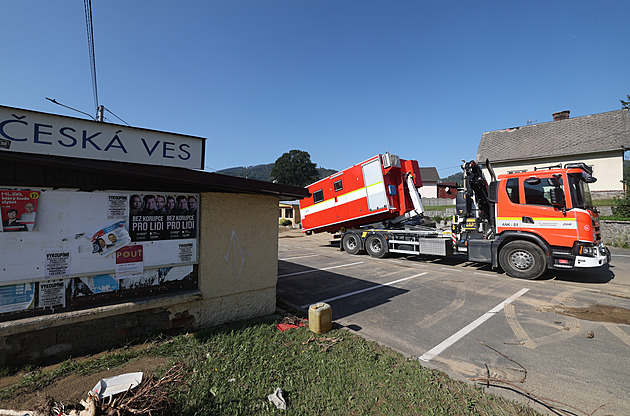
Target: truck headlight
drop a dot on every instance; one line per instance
(587, 250)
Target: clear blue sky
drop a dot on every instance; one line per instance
(343, 80)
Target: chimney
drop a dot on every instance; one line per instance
(561, 115)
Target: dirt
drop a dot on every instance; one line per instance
(73, 388)
(596, 312)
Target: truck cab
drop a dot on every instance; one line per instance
(552, 209)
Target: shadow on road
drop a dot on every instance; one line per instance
(300, 285)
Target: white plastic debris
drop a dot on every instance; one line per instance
(277, 399)
(110, 386)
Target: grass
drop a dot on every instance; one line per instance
(233, 369)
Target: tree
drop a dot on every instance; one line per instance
(295, 168)
(626, 104)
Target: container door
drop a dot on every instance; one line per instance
(374, 185)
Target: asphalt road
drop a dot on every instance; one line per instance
(570, 331)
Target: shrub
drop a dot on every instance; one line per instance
(437, 219)
(285, 222)
(621, 206)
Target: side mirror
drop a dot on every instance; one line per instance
(589, 179)
(557, 197)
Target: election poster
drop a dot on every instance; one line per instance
(17, 297)
(18, 210)
(109, 239)
(162, 217)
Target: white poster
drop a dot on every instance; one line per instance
(52, 294)
(117, 206)
(57, 264)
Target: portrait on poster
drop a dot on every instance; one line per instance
(154, 217)
(18, 210)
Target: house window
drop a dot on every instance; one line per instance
(338, 185)
(318, 196)
(280, 213)
(512, 190)
(288, 213)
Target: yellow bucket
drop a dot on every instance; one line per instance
(320, 318)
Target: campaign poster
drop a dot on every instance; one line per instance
(18, 210)
(109, 239)
(162, 217)
(17, 297)
(52, 293)
(129, 262)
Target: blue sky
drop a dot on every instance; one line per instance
(343, 80)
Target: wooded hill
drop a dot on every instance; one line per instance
(263, 172)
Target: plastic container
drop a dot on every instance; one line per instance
(320, 318)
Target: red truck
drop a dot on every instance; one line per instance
(524, 223)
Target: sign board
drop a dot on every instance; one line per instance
(75, 236)
(42, 133)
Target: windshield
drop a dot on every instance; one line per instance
(580, 191)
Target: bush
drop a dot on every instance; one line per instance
(621, 206)
(437, 219)
(285, 222)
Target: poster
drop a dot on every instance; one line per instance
(185, 252)
(109, 239)
(51, 294)
(148, 278)
(162, 217)
(17, 297)
(93, 285)
(129, 262)
(18, 210)
(117, 206)
(57, 264)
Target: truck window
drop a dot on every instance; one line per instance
(512, 190)
(338, 185)
(318, 196)
(538, 194)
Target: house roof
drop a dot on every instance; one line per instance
(429, 174)
(586, 134)
(25, 169)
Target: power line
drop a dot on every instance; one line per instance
(110, 112)
(90, 38)
(52, 100)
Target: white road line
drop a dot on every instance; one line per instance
(620, 255)
(431, 354)
(300, 257)
(364, 290)
(319, 270)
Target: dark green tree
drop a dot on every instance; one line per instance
(295, 168)
(626, 104)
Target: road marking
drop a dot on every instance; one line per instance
(364, 290)
(319, 270)
(300, 257)
(620, 255)
(432, 353)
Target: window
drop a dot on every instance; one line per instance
(338, 185)
(539, 194)
(512, 190)
(280, 213)
(318, 196)
(288, 213)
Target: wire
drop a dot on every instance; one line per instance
(78, 111)
(90, 38)
(110, 112)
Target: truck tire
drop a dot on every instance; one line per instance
(351, 243)
(523, 260)
(376, 246)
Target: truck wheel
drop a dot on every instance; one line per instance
(351, 243)
(376, 246)
(523, 259)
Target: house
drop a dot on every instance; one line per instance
(289, 210)
(599, 140)
(430, 179)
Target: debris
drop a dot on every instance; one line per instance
(590, 334)
(291, 322)
(277, 399)
(108, 387)
(324, 343)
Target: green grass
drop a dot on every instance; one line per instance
(232, 370)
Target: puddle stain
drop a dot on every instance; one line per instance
(596, 312)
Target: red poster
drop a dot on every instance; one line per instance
(18, 209)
